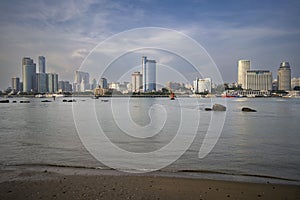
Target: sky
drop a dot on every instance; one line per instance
(266, 32)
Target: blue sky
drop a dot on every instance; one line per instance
(266, 32)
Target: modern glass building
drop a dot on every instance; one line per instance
(149, 74)
(28, 75)
(284, 77)
(42, 83)
(42, 64)
(243, 67)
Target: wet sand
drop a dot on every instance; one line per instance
(61, 183)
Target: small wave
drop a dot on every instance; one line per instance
(236, 174)
(57, 165)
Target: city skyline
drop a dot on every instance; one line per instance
(265, 32)
(41, 82)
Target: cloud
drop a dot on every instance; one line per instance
(65, 31)
(80, 53)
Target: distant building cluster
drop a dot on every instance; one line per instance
(38, 82)
(262, 80)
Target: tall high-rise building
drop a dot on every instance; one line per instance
(42, 83)
(28, 75)
(149, 74)
(42, 64)
(284, 76)
(15, 83)
(243, 67)
(259, 80)
(52, 82)
(103, 83)
(82, 81)
(136, 79)
(55, 82)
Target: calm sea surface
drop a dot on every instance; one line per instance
(264, 144)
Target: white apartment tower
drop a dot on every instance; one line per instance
(137, 81)
(243, 67)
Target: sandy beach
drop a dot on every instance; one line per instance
(72, 183)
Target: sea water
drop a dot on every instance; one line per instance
(263, 144)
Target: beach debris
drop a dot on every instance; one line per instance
(246, 109)
(207, 109)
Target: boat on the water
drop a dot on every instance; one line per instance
(172, 96)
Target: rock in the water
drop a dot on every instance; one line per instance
(218, 107)
(207, 109)
(4, 101)
(245, 109)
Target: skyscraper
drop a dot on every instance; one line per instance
(41, 80)
(103, 83)
(149, 74)
(259, 80)
(15, 83)
(28, 75)
(136, 79)
(42, 64)
(284, 76)
(52, 82)
(243, 67)
(94, 84)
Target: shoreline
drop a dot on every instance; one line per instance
(35, 182)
